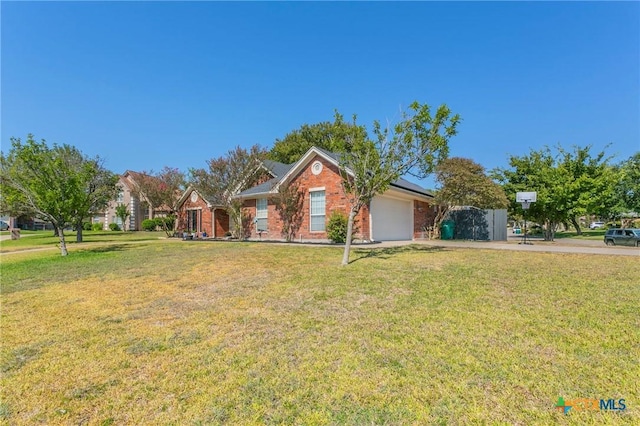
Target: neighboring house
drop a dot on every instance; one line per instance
(198, 214)
(401, 213)
(139, 210)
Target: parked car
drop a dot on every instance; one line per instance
(3, 225)
(596, 225)
(622, 237)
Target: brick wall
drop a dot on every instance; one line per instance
(423, 217)
(335, 199)
(221, 223)
(206, 216)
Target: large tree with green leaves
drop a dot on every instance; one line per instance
(413, 146)
(332, 136)
(463, 182)
(568, 184)
(628, 184)
(227, 175)
(57, 184)
(162, 191)
(100, 187)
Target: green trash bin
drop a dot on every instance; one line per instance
(447, 230)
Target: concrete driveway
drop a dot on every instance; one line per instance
(566, 245)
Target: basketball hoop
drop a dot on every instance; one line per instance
(525, 199)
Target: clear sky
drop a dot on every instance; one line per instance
(149, 84)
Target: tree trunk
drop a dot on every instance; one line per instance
(550, 230)
(347, 244)
(576, 225)
(437, 221)
(63, 243)
(79, 233)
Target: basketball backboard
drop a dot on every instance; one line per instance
(526, 197)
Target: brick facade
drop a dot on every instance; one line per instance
(213, 221)
(335, 199)
(221, 223)
(423, 219)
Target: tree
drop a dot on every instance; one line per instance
(288, 203)
(56, 184)
(415, 145)
(568, 184)
(334, 137)
(122, 212)
(162, 191)
(99, 188)
(463, 182)
(228, 175)
(628, 187)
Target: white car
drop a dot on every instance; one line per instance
(596, 225)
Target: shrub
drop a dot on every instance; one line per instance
(337, 227)
(96, 227)
(86, 226)
(169, 221)
(114, 227)
(149, 224)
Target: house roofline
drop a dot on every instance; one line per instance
(303, 161)
(187, 193)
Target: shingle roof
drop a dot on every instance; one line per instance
(277, 169)
(280, 170)
(263, 188)
(410, 186)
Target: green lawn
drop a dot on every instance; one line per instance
(172, 332)
(45, 239)
(587, 234)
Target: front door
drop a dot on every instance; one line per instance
(193, 220)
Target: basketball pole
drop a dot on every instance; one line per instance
(525, 206)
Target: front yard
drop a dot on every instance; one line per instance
(171, 332)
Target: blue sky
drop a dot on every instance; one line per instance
(149, 84)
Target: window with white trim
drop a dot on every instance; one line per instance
(261, 214)
(317, 211)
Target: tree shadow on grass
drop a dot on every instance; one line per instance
(388, 252)
(106, 248)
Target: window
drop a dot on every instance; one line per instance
(261, 214)
(120, 198)
(317, 212)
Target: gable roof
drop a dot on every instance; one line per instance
(275, 168)
(287, 171)
(210, 200)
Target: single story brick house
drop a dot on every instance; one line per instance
(199, 214)
(401, 213)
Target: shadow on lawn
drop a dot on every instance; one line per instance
(388, 252)
(107, 248)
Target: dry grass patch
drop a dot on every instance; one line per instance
(213, 333)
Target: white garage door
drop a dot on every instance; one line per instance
(391, 219)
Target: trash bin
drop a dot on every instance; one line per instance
(15, 233)
(447, 230)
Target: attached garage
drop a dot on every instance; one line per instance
(391, 219)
